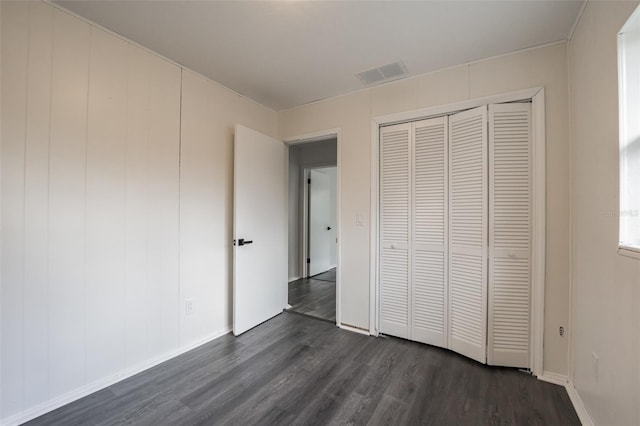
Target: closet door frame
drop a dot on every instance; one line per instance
(537, 97)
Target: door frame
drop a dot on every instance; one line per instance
(306, 168)
(316, 137)
(538, 220)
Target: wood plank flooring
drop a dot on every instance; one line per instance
(330, 275)
(315, 296)
(298, 370)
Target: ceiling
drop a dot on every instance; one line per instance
(287, 53)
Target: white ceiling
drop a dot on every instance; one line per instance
(288, 53)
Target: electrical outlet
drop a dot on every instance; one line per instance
(189, 307)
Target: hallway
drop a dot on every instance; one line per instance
(315, 296)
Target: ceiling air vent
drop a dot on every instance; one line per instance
(384, 73)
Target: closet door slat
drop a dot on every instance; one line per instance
(509, 234)
(468, 233)
(394, 229)
(429, 248)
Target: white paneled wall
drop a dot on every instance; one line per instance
(116, 207)
(36, 170)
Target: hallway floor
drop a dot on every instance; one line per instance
(315, 296)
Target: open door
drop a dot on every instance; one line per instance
(259, 229)
(319, 222)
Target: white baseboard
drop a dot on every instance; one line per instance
(354, 329)
(574, 396)
(555, 378)
(578, 405)
(74, 395)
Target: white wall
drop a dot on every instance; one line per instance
(352, 113)
(116, 207)
(605, 285)
(301, 156)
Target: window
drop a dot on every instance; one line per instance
(629, 99)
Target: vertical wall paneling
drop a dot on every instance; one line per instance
(468, 233)
(67, 177)
(395, 201)
(430, 236)
(509, 234)
(163, 219)
(91, 203)
(36, 203)
(200, 218)
(15, 41)
(106, 163)
(137, 208)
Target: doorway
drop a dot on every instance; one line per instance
(313, 200)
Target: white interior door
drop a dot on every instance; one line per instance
(319, 222)
(429, 286)
(468, 233)
(509, 234)
(395, 199)
(259, 229)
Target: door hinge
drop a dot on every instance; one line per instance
(309, 181)
(308, 260)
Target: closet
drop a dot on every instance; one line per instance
(455, 232)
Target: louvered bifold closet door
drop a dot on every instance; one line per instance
(429, 249)
(395, 169)
(468, 233)
(509, 234)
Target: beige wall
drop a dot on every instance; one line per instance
(116, 206)
(605, 285)
(352, 113)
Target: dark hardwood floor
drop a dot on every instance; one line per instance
(315, 296)
(298, 370)
(330, 276)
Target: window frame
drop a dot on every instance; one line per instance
(632, 24)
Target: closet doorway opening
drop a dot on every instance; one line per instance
(313, 227)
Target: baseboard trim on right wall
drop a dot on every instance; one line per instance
(574, 396)
(578, 405)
